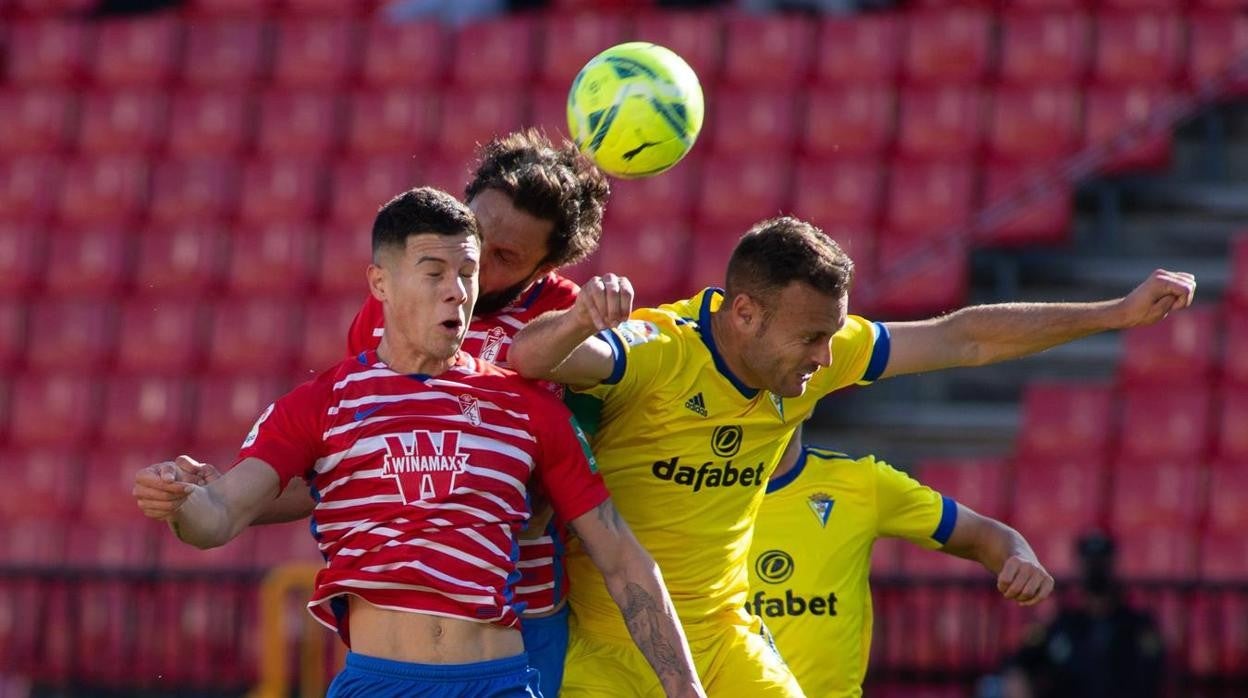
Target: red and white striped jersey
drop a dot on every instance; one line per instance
(543, 583)
(420, 482)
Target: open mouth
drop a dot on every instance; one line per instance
(452, 325)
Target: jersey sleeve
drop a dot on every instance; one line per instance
(908, 509)
(566, 467)
(859, 356)
(365, 332)
(643, 348)
(287, 435)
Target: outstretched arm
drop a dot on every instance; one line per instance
(636, 585)
(1004, 552)
(986, 334)
(211, 515)
(294, 503)
(560, 346)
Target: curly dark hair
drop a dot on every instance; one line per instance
(421, 210)
(779, 251)
(554, 183)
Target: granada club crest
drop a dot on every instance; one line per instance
(424, 463)
(493, 344)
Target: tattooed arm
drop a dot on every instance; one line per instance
(635, 583)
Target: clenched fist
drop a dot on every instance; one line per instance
(161, 488)
(1024, 580)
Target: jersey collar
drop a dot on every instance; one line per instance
(776, 483)
(462, 360)
(534, 291)
(708, 338)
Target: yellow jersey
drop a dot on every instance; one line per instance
(686, 450)
(812, 554)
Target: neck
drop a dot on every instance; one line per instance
(729, 348)
(410, 360)
(787, 463)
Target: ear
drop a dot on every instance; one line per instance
(745, 312)
(377, 281)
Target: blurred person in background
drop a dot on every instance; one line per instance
(1097, 647)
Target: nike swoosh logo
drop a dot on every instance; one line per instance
(363, 414)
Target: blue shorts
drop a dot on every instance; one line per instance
(372, 677)
(546, 643)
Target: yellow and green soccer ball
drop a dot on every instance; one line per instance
(635, 109)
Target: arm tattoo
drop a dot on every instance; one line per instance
(646, 618)
(610, 517)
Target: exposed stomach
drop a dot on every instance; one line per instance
(423, 638)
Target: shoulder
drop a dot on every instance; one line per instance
(557, 292)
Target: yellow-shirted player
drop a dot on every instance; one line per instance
(811, 557)
(700, 398)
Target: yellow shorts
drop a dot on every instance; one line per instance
(735, 662)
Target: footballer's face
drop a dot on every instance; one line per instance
(427, 290)
(794, 339)
(515, 243)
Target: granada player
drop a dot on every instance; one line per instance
(418, 456)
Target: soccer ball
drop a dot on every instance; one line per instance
(635, 109)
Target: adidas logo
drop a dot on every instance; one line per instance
(697, 404)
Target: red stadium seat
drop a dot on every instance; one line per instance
(316, 53)
(917, 275)
(56, 409)
(49, 8)
(886, 557)
(1156, 493)
(1119, 119)
(494, 53)
(289, 191)
(1139, 48)
(1180, 351)
(548, 110)
(1055, 547)
(1215, 40)
(1066, 419)
(941, 122)
(159, 335)
(144, 409)
(360, 187)
(694, 36)
(118, 122)
(393, 122)
(1228, 496)
(127, 543)
(252, 335)
(400, 55)
(202, 189)
(714, 247)
(227, 406)
(863, 49)
(42, 482)
(858, 241)
(948, 46)
(180, 259)
(88, 262)
(767, 51)
(1142, 4)
(324, 341)
(327, 8)
(1235, 356)
(226, 53)
(1218, 641)
(667, 199)
(138, 51)
(757, 121)
(445, 173)
(1157, 552)
(104, 190)
(1040, 48)
(851, 121)
(743, 192)
(571, 40)
(34, 541)
(1237, 285)
(839, 192)
(298, 123)
(472, 117)
(979, 483)
(1161, 422)
(925, 199)
(1024, 206)
(1232, 438)
(345, 255)
(23, 253)
(211, 123)
(922, 562)
(1224, 557)
(657, 251)
(283, 543)
(1053, 489)
(173, 554)
(1039, 124)
(28, 187)
(46, 51)
(71, 332)
(230, 8)
(13, 339)
(36, 120)
(271, 260)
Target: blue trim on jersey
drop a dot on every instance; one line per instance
(618, 353)
(704, 331)
(534, 291)
(948, 519)
(776, 483)
(509, 591)
(363, 358)
(879, 353)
